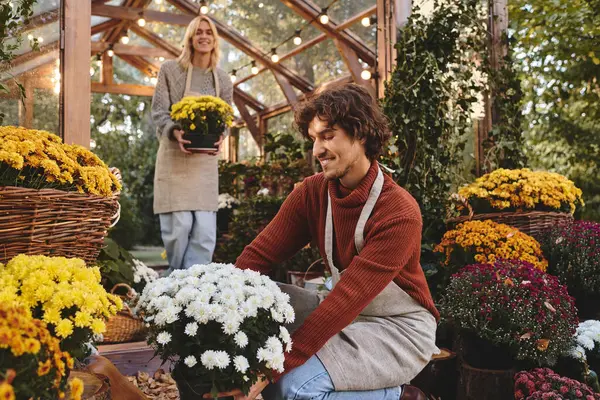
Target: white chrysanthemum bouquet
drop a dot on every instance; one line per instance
(586, 341)
(219, 325)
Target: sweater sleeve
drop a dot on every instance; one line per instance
(285, 235)
(388, 248)
(161, 106)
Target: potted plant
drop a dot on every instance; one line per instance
(203, 119)
(573, 252)
(221, 327)
(543, 383)
(512, 307)
(32, 365)
(65, 294)
(528, 200)
(485, 242)
(582, 360)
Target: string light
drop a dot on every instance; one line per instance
(324, 18)
(368, 21)
(40, 39)
(110, 52)
(125, 39)
(146, 79)
(141, 22)
(203, 7)
(365, 74)
(254, 68)
(297, 37)
(98, 60)
(153, 80)
(274, 56)
(158, 2)
(30, 37)
(233, 77)
(92, 71)
(261, 5)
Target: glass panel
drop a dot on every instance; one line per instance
(344, 9)
(164, 6)
(137, 40)
(126, 73)
(171, 33)
(282, 123)
(319, 64)
(367, 34)
(38, 73)
(266, 26)
(45, 110)
(247, 147)
(264, 88)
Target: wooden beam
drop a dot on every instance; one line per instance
(113, 35)
(128, 50)
(27, 121)
(309, 11)
(146, 67)
(156, 40)
(355, 18)
(34, 54)
(107, 70)
(351, 60)
(123, 88)
(386, 41)
(286, 88)
(39, 20)
(249, 100)
(316, 40)
(246, 46)
(104, 26)
(75, 64)
(248, 119)
(133, 14)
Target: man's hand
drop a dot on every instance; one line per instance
(217, 145)
(237, 394)
(178, 134)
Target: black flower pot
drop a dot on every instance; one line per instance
(192, 387)
(200, 141)
(223, 218)
(481, 353)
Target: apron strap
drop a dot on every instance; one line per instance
(359, 238)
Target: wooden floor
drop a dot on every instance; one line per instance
(130, 358)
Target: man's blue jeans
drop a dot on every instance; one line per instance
(311, 381)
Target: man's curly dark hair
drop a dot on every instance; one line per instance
(352, 108)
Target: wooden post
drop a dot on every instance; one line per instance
(28, 121)
(498, 48)
(386, 40)
(107, 70)
(75, 77)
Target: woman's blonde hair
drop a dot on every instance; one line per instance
(185, 58)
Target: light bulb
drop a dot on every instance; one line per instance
(40, 39)
(365, 74)
(30, 37)
(141, 22)
(159, 2)
(146, 79)
(261, 5)
(297, 38)
(233, 78)
(366, 21)
(204, 9)
(110, 52)
(92, 71)
(324, 19)
(153, 80)
(161, 59)
(125, 39)
(275, 57)
(254, 70)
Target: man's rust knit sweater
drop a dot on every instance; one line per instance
(391, 251)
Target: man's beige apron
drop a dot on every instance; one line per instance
(185, 182)
(391, 340)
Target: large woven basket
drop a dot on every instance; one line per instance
(125, 326)
(532, 223)
(54, 222)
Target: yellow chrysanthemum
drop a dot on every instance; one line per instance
(486, 241)
(6, 391)
(76, 388)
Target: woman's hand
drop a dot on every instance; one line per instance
(217, 145)
(237, 394)
(178, 134)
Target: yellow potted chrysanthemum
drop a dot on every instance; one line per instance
(203, 119)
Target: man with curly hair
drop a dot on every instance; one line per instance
(375, 330)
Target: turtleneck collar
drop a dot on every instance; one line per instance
(348, 198)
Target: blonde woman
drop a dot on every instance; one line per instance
(186, 185)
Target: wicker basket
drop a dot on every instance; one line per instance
(54, 222)
(124, 327)
(532, 223)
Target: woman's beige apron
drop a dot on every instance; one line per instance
(185, 182)
(391, 340)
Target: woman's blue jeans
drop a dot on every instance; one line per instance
(311, 381)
